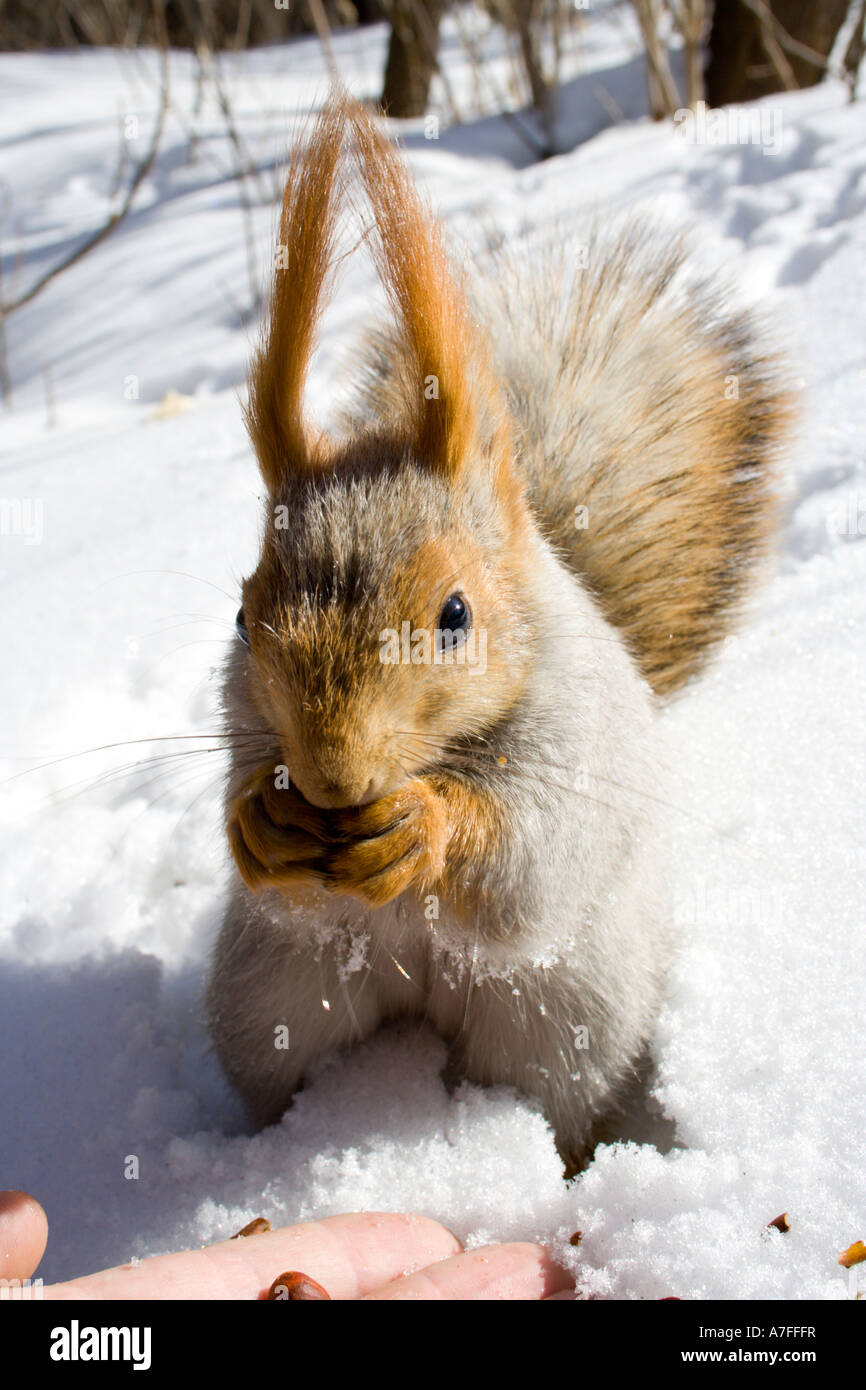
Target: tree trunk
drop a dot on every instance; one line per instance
(412, 56)
(741, 67)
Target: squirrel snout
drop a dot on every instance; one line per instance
(335, 795)
(330, 789)
(339, 763)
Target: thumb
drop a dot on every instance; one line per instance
(23, 1235)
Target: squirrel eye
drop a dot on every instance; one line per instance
(241, 627)
(455, 621)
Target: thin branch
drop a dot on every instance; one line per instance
(855, 51)
(242, 29)
(511, 118)
(430, 36)
(5, 375)
(320, 23)
(689, 16)
(772, 46)
(245, 168)
(115, 219)
(664, 97)
(123, 159)
(762, 11)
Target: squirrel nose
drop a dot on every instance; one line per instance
(335, 794)
(339, 794)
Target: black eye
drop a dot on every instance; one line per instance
(241, 627)
(455, 619)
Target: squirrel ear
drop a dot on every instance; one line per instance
(453, 406)
(274, 415)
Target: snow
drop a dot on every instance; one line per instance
(117, 608)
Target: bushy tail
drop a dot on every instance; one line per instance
(648, 418)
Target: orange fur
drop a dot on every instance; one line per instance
(275, 418)
(376, 852)
(446, 353)
(680, 504)
(523, 797)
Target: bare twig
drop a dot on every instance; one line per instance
(50, 404)
(244, 168)
(123, 158)
(762, 11)
(5, 377)
(500, 104)
(527, 21)
(245, 165)
(431, 43)
(664, 97)
(323, 29)
(471, 48)
(139, 175)
(772, 46)
(242, 29)
(855, 51)
(197, 103)
(608, 103)
(689, 16)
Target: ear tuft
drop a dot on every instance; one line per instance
(451, 398)
(283, 442)
(451, 410)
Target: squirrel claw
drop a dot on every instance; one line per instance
(390, 845)
(276, 837)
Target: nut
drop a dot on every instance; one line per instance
(256, 1227)
(854, 1255)
(295, 1287)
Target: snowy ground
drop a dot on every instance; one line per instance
(126, 532)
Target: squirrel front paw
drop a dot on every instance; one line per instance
(390, 845)
(277, 838)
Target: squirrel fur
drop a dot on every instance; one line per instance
(558, 458)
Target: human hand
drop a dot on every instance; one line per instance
(365, 1256)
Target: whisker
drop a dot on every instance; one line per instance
(214, 781)
(154, 801)
(107, 780)
(181, 574)
(187, 620)
(236, 736)
(514, 767)
(472, 969)
(596, 776)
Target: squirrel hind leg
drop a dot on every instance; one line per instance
(633, 1116)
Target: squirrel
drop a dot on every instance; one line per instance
(537, 520)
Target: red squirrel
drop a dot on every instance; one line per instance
(549, 466)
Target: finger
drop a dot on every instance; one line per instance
(23, 1235)
(348, 1255)
(365, 859)
(248, 867)
(378, 817)
(258, 876)
(285, 807)
(270, 843)
(519, 1272)
(384, 887)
